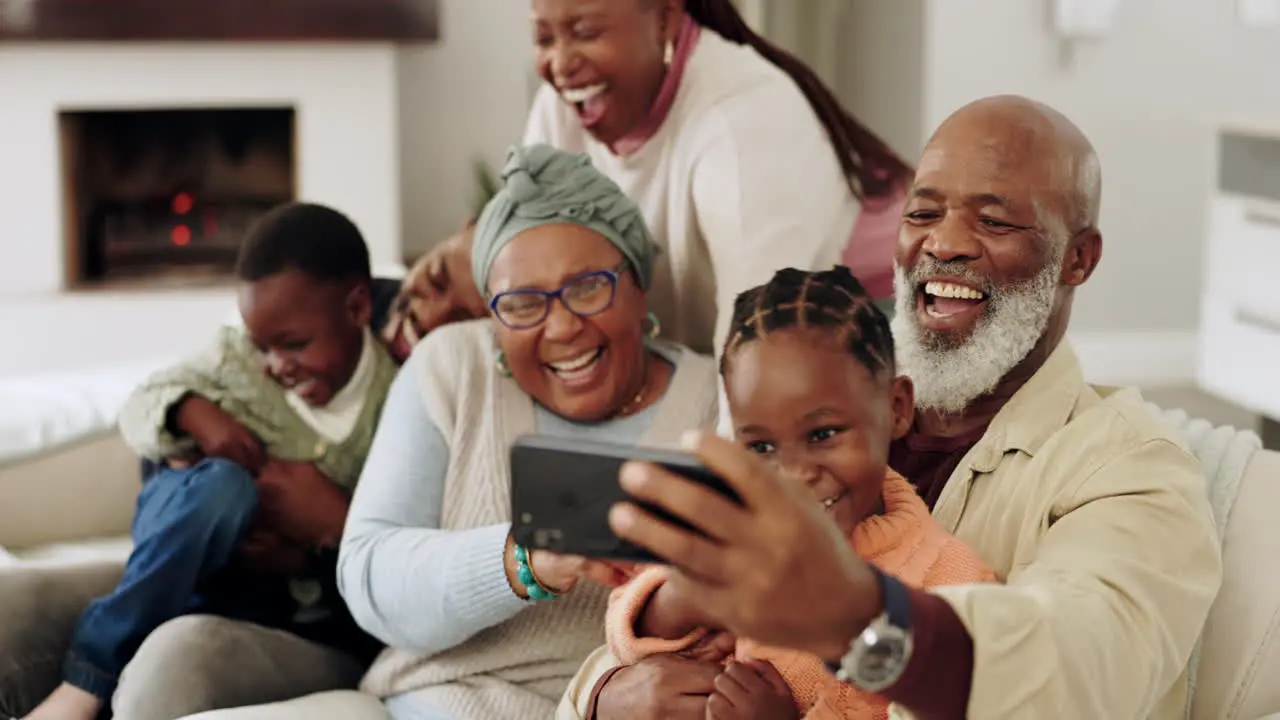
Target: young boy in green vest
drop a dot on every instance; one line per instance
(261, 440)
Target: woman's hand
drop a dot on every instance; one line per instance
(557, 573)
(758, 563)
(561, 573)
(751, 691)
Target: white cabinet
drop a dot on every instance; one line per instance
(1240, 310)
(1244, 252)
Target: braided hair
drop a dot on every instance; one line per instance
(870, 167)
(831, 299)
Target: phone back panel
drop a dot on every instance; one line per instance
(561, 492)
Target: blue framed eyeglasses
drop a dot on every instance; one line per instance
(586, 295)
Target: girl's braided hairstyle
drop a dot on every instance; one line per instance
(815, 299)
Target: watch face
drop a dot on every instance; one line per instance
(880, 656)
(882, 660)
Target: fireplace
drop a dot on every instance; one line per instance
(344, 153)
(164, 197)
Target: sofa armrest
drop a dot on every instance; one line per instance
(1240, 655)
(86, 489)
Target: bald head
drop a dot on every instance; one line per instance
(1031, 141)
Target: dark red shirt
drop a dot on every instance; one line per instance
(929, 461)
(939, 676)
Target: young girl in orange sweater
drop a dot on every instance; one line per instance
(809, 373)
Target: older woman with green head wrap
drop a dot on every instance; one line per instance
(560, 225)
(427, 561)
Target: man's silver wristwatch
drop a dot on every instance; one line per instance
(878, 656)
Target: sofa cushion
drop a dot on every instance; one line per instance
(42, 413)
(82, 490)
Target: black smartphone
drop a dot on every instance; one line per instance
(562, 489)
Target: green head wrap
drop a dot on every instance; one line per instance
(543, 185)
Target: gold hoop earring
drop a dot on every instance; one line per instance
(668, 53)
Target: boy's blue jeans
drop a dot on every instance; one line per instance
(185, 531)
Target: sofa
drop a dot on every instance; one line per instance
(1240, 653)
(73, 503)
(67, 481)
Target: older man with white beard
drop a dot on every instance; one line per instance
(974, 309)
(1090, 510)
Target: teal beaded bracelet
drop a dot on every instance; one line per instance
(525, 574)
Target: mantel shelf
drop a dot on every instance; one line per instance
(403, 21)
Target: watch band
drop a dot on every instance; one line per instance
(896, 599)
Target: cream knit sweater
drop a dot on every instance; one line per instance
(518, 668)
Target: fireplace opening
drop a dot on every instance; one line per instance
(164, 197)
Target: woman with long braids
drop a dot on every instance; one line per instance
(740, 159)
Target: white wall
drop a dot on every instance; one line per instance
(91, 331)
(463, 97)
(888, 36)
(869, 52)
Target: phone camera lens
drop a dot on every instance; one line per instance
(547, 539)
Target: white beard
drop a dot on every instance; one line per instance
(948, 377)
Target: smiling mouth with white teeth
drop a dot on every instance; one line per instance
(944, 299)
(576, 367)
(580, 95)
(587, 101)
(830, 502)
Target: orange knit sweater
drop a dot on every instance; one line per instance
(905, 542)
